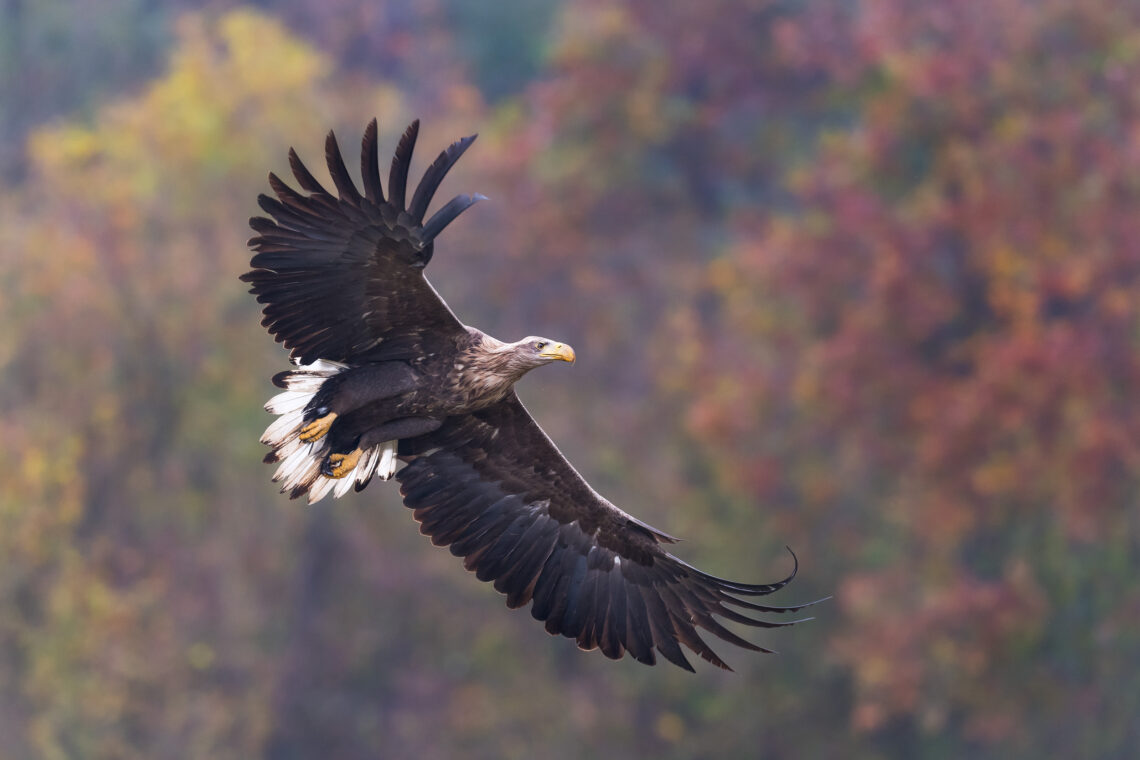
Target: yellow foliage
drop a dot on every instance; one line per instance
(670, 727)
(589, 31)
(233, 87)
(266, 57)
(42, 500)
(129, 246)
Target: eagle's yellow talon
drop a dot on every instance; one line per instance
(339, 465)
(318, 428)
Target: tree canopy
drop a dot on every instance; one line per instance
(859, 277)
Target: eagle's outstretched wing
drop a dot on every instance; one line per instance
(341, 275)
(494, 488)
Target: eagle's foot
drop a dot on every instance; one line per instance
(318, 428)
(339, 465)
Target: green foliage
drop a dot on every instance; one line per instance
(58, 57)
(853, 277)
(483, 31)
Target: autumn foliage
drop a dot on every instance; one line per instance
(856, 277)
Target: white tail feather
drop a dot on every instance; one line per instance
(289, 401)
(299, 470)
(303, 477)
(368, 463)
(344, 484)
(320, 489)
(283, 430)
(285, 450)
(387, 465)
(293, 464)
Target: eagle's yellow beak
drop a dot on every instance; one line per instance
(558, 351)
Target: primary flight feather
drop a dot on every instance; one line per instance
(388, 375)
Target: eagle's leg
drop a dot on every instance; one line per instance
(339, 464)
(318, 428)
(352, 389)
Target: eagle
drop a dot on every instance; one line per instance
(388, 382)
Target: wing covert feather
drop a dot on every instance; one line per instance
(341, 275)
(493, 488)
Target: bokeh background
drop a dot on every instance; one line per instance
(856, 276)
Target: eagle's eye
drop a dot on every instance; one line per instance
(539, 345)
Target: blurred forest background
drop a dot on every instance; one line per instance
(857, 276)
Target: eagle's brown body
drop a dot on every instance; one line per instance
(387, 375)
(392, 399)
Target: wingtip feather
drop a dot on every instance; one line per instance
(434, 176)
(401, 164)
(304, 177)
(370, 163)
(345, 187)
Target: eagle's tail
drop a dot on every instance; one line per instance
(300, 460)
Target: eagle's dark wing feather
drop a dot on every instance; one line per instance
(493, 487)
(341, 276)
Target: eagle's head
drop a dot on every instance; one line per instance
(510, 361)
(536, 351)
